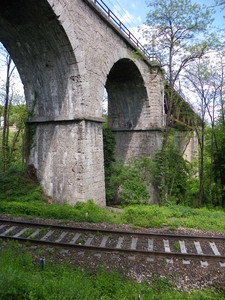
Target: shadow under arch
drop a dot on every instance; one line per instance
(127, 107)
(41, 51)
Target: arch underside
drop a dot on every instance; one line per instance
(33, 36)
(129, 112)
(127, 96)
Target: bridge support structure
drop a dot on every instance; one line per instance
(67, 52)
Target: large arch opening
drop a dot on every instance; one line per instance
(35, 39)
(127, 107)
(127, 96)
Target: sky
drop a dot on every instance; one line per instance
(133, 12)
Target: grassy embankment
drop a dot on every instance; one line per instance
(20, 197)
(20, 278)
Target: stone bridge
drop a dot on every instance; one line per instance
(67, 52)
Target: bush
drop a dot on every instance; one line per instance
(129, 183)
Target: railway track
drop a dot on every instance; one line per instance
(205, 249)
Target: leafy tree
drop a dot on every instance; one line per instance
(207, 79)
(14, 112)
(5, 134)
(173, 28)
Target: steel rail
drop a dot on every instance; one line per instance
(118, 250)
(122, 232)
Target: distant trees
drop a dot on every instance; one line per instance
(13, 110)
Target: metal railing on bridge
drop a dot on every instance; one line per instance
(110, 14)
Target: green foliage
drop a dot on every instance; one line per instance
(170, 173)
(125, 184)
(109, 158)
(21, 278)
(174, 216)
(176, 25)
(14, 185)
(129, 182)
(13, 155)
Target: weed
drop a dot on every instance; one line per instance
(40, 251)
(51, 251)
(10, 233)
(27, 233)
(81, 241)
(27, 244)
(44, 231)
(176, 246)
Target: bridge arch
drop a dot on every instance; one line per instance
(39, 46)
(127, 95)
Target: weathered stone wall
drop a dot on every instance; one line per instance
(64, 51)
(135, 144)
(66, 155)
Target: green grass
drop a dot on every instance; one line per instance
(20, 197)
(20, 278)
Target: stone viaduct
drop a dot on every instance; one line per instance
(67, 52)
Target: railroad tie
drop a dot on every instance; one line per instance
(8, 230)
(204, 264)
(169, 261)
(120, 242)
(166, 246)
(198, 248)
(98, 255)
(61, 237)
(89, 240)
(186, 262)
(48, 234)
(104, 241)
(34, 234)
(20, 232)
(2, 226)
(150, 245)
(134, 244)
(183, 247)
(75, 238)
(214, 248)
(150, 259)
